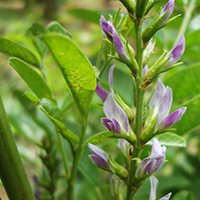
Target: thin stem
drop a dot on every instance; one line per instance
(139, 107)
(77, 157)
(12, 171)
(63, 154)
(188, 13)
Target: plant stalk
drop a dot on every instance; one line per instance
(139, 107)
(12, 171)
(77, 156)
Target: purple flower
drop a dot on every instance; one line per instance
(103, 94)
(161, 102)
(176, 52)
(99, 157)
(111, 33)
(151, 164)
(116, 119)
(168, 7)
(154, 185)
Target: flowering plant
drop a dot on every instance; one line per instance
(131, 146)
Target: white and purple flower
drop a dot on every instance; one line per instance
(111, 33)
(99, 157)
(169, 7)
(176, 52)
(116, 119)
(154, 162)
(161, 102)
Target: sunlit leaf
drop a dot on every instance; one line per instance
(76, 69)
(37, 31)
(170, 139)
(14, 49)
(55, 27)
(31, 77)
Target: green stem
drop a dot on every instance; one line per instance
(139, 107)
(77, 156)
(188, 13)
(63, 154)
(12, 171)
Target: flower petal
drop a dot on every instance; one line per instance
(145, 69)
(165, 106)
(113, 110)
(119, 46)
(154, 185)
(111, 71)
(170, 6)
(98, 152)
(176, 52)
(111, 125)
(156, 148)
(166, 197)
(107, 28)
(173, 118)
(99, 161)
(157, 97)
(101, 92)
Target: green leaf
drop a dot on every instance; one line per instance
(184, 83)
(170, 139)
(14, 49)
(31, 77)
(86, 15)
(56, 116)
(37, 31)
(105, 136)
(190, 119)
(76, 69)
(55, 27)
(192, 38)
(52, 109)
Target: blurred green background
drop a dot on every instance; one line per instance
(180, 174)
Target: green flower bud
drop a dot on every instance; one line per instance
(118, 169)
(130, 5)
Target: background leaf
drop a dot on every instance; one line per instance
(184, 83)
(86, 15)
(76, 69)
(31, 77)
(190, 119)
(170, 139)
(14, 49)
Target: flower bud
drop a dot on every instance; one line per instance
(130, 5)
(118, 169)
(99, 157)
(141, 6)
